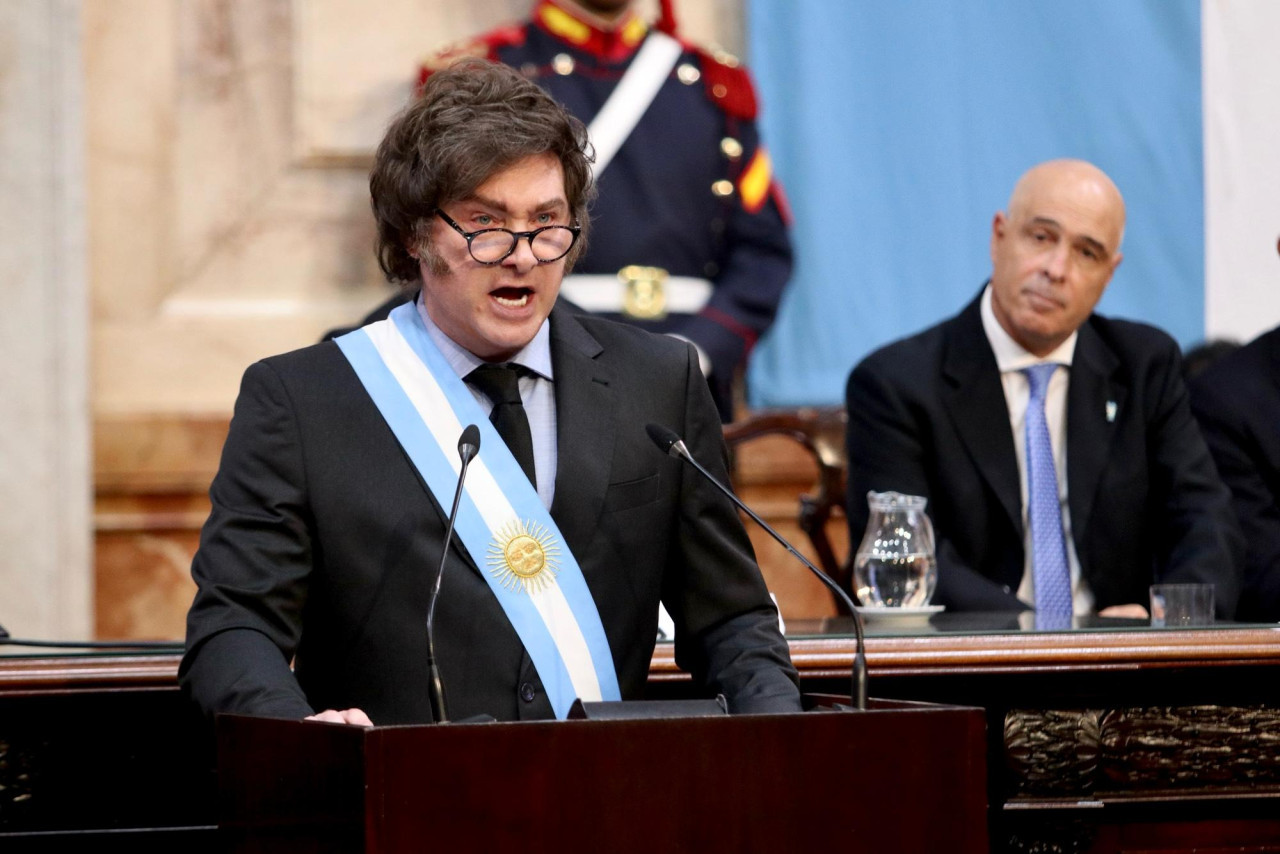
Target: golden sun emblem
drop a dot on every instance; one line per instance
(524, 555)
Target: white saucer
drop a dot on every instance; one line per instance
(901, 616)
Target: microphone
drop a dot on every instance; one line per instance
(468, 447)
(670, 443)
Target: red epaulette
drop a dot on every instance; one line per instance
(728, 84)
(485, 46)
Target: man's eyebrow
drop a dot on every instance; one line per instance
(1096, 244)
(1093, 242)
(494, 204)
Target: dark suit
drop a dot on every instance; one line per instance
(1237, 401)
(323, 542)
(927, 416)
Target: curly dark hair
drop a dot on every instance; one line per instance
(472, 120)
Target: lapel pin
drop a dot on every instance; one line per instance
(1111, 411)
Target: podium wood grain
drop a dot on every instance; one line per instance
(903, 777)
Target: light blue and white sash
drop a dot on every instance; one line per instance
(501, 521)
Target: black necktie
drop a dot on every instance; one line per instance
(501, 384)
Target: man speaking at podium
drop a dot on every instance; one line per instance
(331, 501)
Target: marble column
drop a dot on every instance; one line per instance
(45, 564)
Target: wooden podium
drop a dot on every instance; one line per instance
(902, 776)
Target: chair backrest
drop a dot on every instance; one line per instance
(820, 431)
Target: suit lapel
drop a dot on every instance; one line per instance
(974, 398)
(585, 430)
(1095, 404)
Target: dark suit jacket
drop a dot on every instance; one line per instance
(1237, 401)
(927, 416)
(323, 543)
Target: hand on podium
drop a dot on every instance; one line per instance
(355, 717)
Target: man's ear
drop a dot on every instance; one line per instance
(999, 223)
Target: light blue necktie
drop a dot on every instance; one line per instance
(1048, 547)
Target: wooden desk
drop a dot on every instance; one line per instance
(1110, 738)
(101, 748)
(105, 741)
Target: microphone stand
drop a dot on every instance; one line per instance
(672, 444)
(468, 447)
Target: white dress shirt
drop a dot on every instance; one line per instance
(537, 393)
(1012, 359)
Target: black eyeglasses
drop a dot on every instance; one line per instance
(491, 246)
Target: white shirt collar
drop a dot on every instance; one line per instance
(536, 355)
(1010, 355)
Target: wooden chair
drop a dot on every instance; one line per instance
(820, 432)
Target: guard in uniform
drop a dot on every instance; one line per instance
(690, 230)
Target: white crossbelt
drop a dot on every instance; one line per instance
(632, 96)
(605, 292)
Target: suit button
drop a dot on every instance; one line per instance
(562, 64)
(527, 693)
(1006, 589)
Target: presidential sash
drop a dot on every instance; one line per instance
(509, 534)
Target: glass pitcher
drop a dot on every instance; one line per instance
(896, 566)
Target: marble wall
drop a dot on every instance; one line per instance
(228, 145)
(44, 417)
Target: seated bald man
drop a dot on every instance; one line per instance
(1056, 447)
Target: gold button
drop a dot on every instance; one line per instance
(726, 58)
(563, 64)
(722, 188)
(719, 90)
(688, 73)
(730, 148)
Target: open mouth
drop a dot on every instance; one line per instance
(512, 297)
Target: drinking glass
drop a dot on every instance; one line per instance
(1181, 605)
